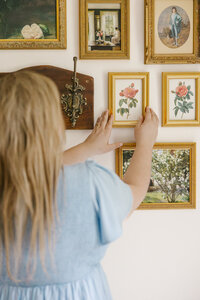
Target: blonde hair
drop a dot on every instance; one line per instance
(32, 136)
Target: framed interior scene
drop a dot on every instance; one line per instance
(171, 31)
(35, 24)
(173, 176)
(104, 29)
(128, 97)
(181, 99)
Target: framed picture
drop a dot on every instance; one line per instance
(128, 97)
(181, 99)
(35, 24)
(171, 31)
(104, 29)
(173, 177)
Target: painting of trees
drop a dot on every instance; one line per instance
(170, 171)
(170, 177)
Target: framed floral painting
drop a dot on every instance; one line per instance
(173, 176)
(181, 99)
(128, 97)
(104, 29)
(35, 24)
(171, 31)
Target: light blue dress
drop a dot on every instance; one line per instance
(92, 204)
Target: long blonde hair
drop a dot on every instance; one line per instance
(31, 143)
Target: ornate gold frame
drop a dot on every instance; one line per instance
(59, 43)
(165, 99)
(150, 57)
(124, 53)
(111, 94)
(192, 147)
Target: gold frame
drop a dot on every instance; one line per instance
(111, 94)
(150, 57)
(124, 53)
(165, 98)
(192, 147)
(59, 43)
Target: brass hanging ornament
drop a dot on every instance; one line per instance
(73, 101)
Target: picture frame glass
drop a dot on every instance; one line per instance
(182, 99)
(128, 99)
(104, 26)
(28, 20)
(173, 27)
(170, 176)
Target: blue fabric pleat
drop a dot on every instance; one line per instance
(92, 287)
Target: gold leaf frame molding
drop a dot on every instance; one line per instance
(150, 57)
(124, 53)
(59, 43)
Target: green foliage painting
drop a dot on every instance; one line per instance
(22, 19)
(170, 177)
(182, 102)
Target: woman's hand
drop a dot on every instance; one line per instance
(98, 141)
(146, 130)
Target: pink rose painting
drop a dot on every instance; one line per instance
(182, 101)
(128, 100)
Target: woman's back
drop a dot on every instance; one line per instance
(92, 203)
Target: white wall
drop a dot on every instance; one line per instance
(158, 256)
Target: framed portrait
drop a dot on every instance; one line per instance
(128, 97)
(104, 29)
(35, 24)
(181, 99)
(171, 31)
(173, 176)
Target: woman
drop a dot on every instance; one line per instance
(57, 220)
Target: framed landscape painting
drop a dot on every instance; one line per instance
(181, 99)
(128, 97)
(104, 29)
(171, 31)
(35, 24)
(173, 176)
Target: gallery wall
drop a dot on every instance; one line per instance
(158, 256)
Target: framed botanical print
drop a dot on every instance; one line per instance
(104, 29)
(171, 31)
(173, 176)
(181, 99)
(35, 24)
(128, 97)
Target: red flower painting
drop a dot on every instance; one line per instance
(128, 100)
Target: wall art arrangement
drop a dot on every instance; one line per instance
(128, 97)
(35, 24)
(104, 29)
(181, 99)
(172, 184)
(172, 31)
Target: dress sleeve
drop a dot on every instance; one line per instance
(113, 201)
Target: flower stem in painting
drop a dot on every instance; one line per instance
(182, 98)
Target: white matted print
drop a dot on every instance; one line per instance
(182, 99)
(128, 99)
(173, 25)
